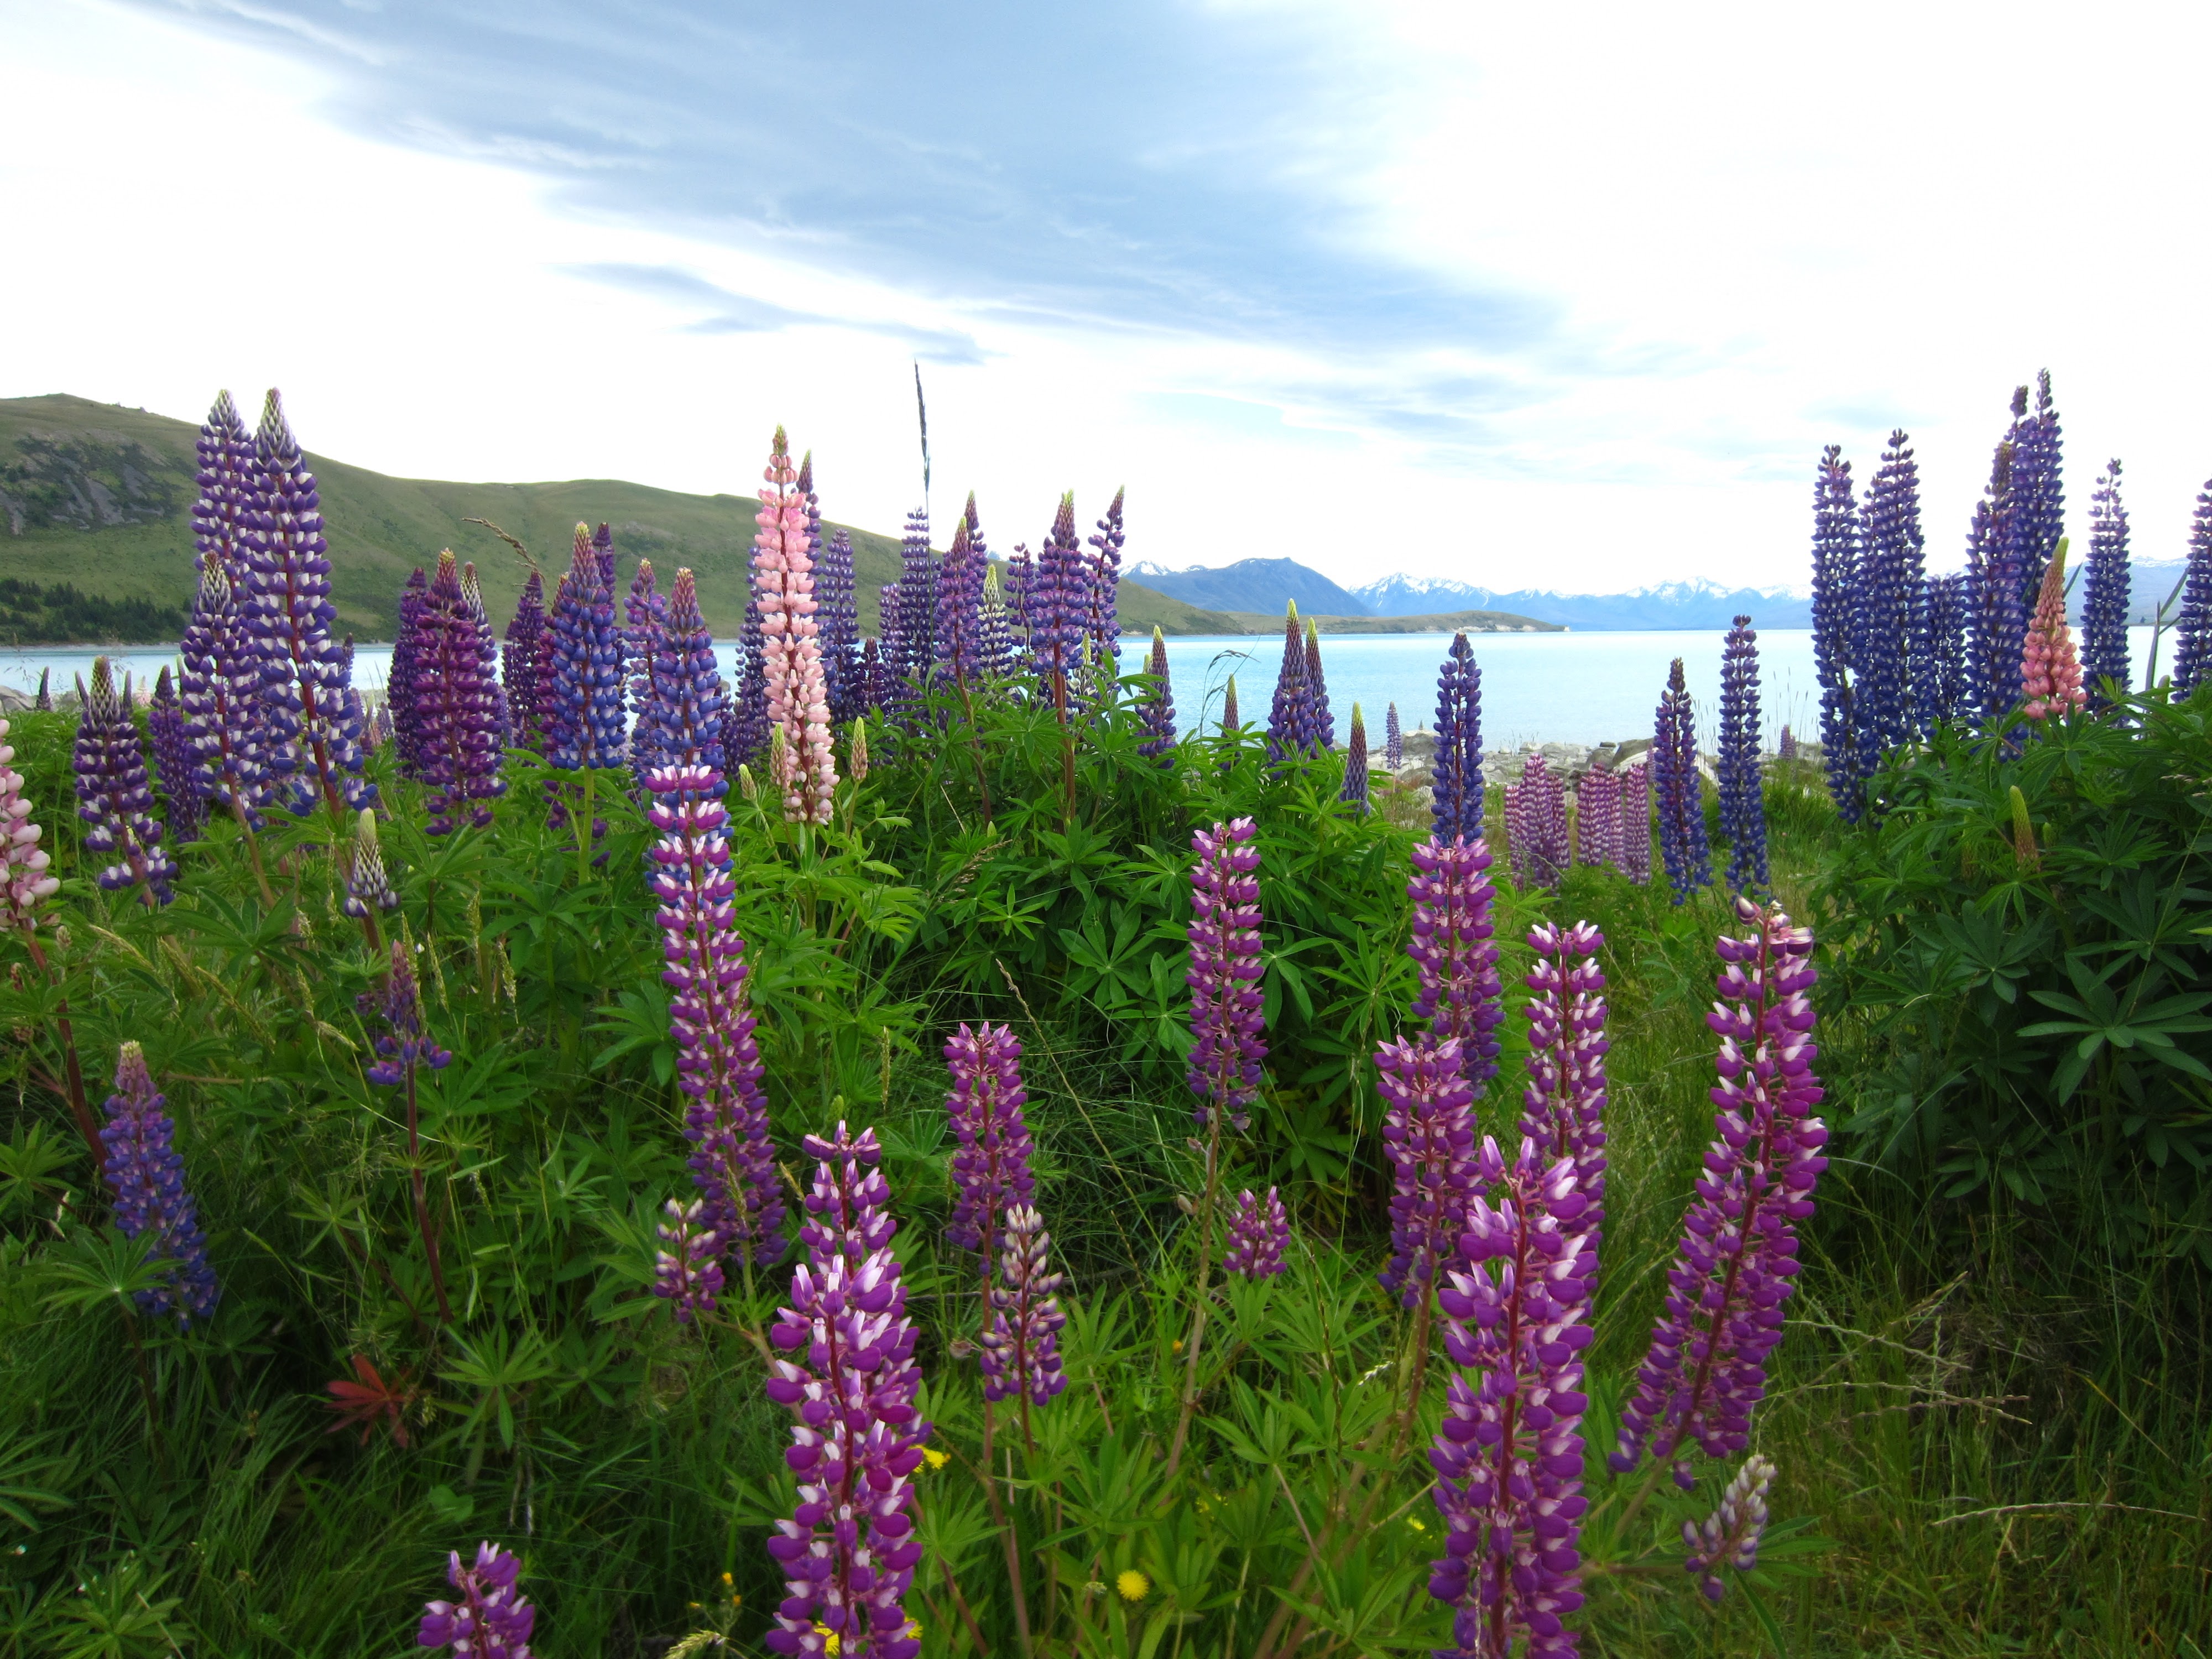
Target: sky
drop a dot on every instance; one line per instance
(1522, 296)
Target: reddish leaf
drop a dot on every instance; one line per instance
(361, 1404)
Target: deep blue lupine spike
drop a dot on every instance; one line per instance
(2105, 592)
(1393, 740)
(917, 598)
(114, 796)
(1835, 588)
(2192, 642)
(459, 712)
(1682, 800)
(1020, 570)
(1157, 707)
(680, 721)
(1890, 624)
(959, 622)
(220, 691)
(2038, 519)
(586, 712)
(998, 649)
(1997, 621)
(1743, 808)
(1320, 725)
(174, 763)
(643, 607)
(1054, 599)
(1456, 807)
(401, 677)
(1286, 713)
(146, 1173)
(1951, 695)
(520, 658)
(839, 620)
(745, 722)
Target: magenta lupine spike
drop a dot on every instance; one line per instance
(404, 676)
(686, 1271)
(24, 884)
(849, 1550)
(1428, 1135)
(221, 690)
(173, 762)
(113, 795)
(1258, 1233)
(1021, 1345)
(458, 710)
(1635, 823)
(146, 1173)
(2050, 671)
(798, 695)
(520, 659)
(991, 1170)
(1731, 1534)
(1563, 1107)
(1509, 1459)
(1597, 819)
(491, 1620)
(369, 888)
(1455, 951)
(1737, 1261)
(1226, 1005)
(312, 745)
(1536, 822)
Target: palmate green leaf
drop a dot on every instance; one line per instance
(99, 1265)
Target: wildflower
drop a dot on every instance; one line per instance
(1258, 1233)
(1890, 625)
(1355, 762)
(367, 886)
(841, 628)
(2036, 520)
(147, 1174)
(681, 707)
(959, 624)
(113, 794)
(1225, 1014)
(1102, 570)
(1731, 1534)
(1393, 740)
(403, 676)
(849, 1550)
(643, 609)
(934, 1458)
(991, 1170)
(1156, 709)
(1289, 719)
(1318, 731)
(1132, 1585)
(1230, 723)
(520, 659)
(1428, 1135)
(2192, 642)
(458, 711)
(1456, 770)
(997, 649)
(1681, 801)
(1743, 808)
(1598, 828)
(1454, 951)
(1055, 608)
(2050, 673)
(1021, 1346)
(916, 605)
(220, 686)
(1835, 584)
(1737, 1261)
(402, 1044)
(1537, 825)
(1563, 1107)
(1946, 686)
(744, 720)
(797, 695)
(491, 1620)
(685, 1270)
(585, 704)
(173, 762)
(24, 884)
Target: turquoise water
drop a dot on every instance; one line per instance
(1536, 688)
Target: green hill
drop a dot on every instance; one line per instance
(99, 497)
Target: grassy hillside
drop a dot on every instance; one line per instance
(100, 497)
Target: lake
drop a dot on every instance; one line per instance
(1536, 688)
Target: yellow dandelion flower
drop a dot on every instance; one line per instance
(934, 1458)
(1133, 1585)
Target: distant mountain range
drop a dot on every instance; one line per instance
(1262, 585)
(1696, 604)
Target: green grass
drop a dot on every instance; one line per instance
(67, 465)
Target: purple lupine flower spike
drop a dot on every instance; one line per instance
(1537, 825)
(1021, 1345)
(222, 516)
(1393, 740)
(1737, 1261)
(686, 1270)
(602, 549)
(868, 693)
(175, 763)
(643, 607)
(1510, 1458)
(1563, 1107)
(1428, 1135)
(2192, 642)
(2037, 518)
(1230, 722)
(220, 691)
(314, 731)
(998, 635)
(1681, 799)
(1835, 587)
(680, 718)
(745, 721)
(841, 627)
(959, 626)
(1635, 822)
(2105, 588)
(717, 1066)
(520, 659)
(113, 794)
(1225, 1003)
(368, 886)
(1891, 627)
(1455, 952)
(1731, 1534)
(1287, 716)
(1258, 1233)
(1355, 762)
(1597, 819)
(146, 1173)
(457, 706)
(585, 724)
(849, 1550)
(1993, 550)
(24, 884)
(1951, 695)
(404, 676)
(1156, 709)
(1054, 601)
(917, 605)
(1102, 587)
(1456, 804)
(491, 1620)
(1743, 802)
(991, 1170)
(1320, 724)
(402, 1044)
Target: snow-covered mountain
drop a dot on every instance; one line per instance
(1695, 603)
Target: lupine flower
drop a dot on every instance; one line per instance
(643, 607)
(1731, 1534)
(1393, 740)
(1998, 621)
(876, 677)
(917, 604)
(1156, 709)
(368, 889)
(1055, 605)
(518, 664)
(1635, 822)
(146, 1173)
(849, 1550)
(1355, 762)
(1229, 720)
(402, 1044)
(718, 1062)
(1258, 1233)
(2050, 672)
(997, 647)
(587, 730)
(1021, 1346)
(1948, 690)
(839, 624)
(856, 752)
(404, 674)
(1785, 746)
(1455, 951)
(458, 708)
(2192, 643)
(686, 1270)
(1890, 624)
(797, 695)
(991, 1170)
(679, 718)
(1509, 1461)
(1597, 819)
(1835, 593)
(1019, 572)
(1428, 1135)
(2038, 515)
(1737, 1261)
(173, 767)
(1320, 730)
(312, 745)
(1563, 1107)
(959, 624)
(1102, 592)
(220, 691)
(24, 883)
(1226, 1018)
(43, 702)
(1536, 824)
(1743, 804)
(222, 515)
(1455, 771)
(113, 795)
(745, 721)
(1682, 800)
(2104, 600)
(491, 1620)
(1288, 718)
